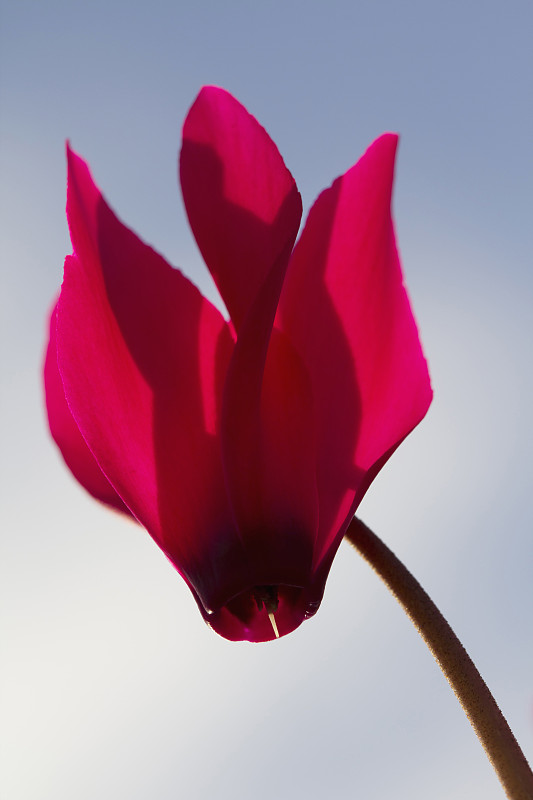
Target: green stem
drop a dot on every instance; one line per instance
(470, 689)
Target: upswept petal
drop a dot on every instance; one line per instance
(245, 210)
(346, 311)
(143, 357)
(241, 200)
(66, 434)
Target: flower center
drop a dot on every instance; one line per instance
(266, 596)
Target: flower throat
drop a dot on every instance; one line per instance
(267, 596)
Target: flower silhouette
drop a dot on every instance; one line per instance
(243, 446)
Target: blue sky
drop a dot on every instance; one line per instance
(111, 684)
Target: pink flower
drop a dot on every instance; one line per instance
(243, 447)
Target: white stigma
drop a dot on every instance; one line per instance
(273, 623)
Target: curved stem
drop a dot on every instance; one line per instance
(470, 689)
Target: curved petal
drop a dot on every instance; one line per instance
(346, 311)
(143, 356)
(242, 202)
(245, 211)
(66, 434)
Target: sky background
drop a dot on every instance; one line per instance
(111, 685)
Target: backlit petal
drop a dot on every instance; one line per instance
(242, 202)
(143, 357)
(345, 309)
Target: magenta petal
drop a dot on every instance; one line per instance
(66, 434)
(242, 202)
(143, 358)
(346, 311)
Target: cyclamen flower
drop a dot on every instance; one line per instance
(244, 446)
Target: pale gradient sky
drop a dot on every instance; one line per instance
(111, 685)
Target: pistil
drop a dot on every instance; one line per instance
(273, 623)
(267, 596)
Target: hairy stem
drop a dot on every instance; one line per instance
(470, 689)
